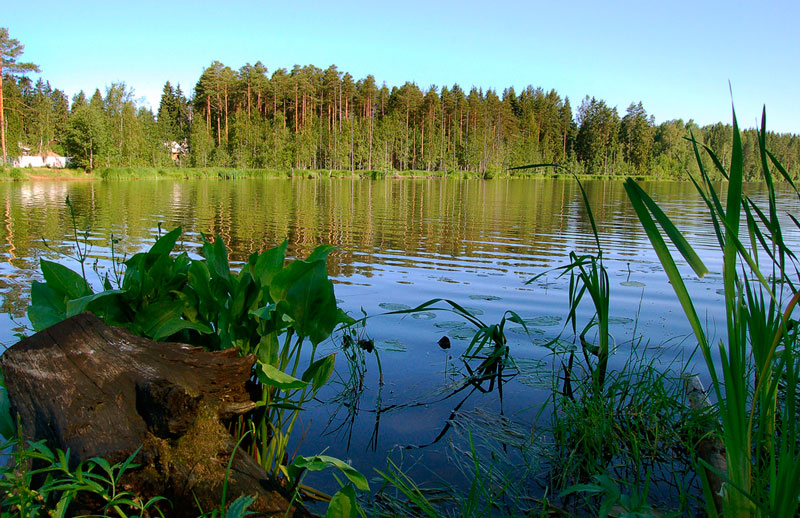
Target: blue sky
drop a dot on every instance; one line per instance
(676, 56)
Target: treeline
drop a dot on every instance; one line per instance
(309, 118)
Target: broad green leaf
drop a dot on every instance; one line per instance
(64, 281)
(267, 349)
(199, 281)
(265, 312)
(43, 295)
(7, 426)
(287, 277)
(273, 377)
(343, 504)
(166, 243)
(321, 253)
(319, 372)
(320, 462)
(80, 305)
(308, 298)
(269, 263)
(245, 293)
(238, 508)
(217, 258)
(152, 317)
(170, 327)
(42, 317)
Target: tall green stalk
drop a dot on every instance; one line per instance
(755, 382)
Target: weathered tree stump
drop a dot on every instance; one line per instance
(102, 391)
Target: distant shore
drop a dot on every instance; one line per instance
(228, 173)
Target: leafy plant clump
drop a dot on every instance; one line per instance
(269, 309)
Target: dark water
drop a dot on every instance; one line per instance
(401, 242)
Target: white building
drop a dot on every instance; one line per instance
(48, 159)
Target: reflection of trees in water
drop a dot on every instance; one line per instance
(405, 222)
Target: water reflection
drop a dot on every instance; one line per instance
(402, 241)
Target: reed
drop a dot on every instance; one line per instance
(755, 380)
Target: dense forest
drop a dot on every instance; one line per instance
(310, 118)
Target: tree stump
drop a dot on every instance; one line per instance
(102, 391)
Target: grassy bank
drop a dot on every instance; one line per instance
(227, 173)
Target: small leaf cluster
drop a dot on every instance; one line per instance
(95, 482)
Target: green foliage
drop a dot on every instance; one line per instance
(40, 482)
(7, 428)
(268, 309)
(755, 381)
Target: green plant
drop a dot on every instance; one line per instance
(343, 503)
(587, 274)
(40, 482)
(639, 429)
(755, 382)
(613, 501)
(269, 308)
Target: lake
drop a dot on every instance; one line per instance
(402, 242)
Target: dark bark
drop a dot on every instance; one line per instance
(101, 391)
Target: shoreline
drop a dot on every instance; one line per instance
(223, 173)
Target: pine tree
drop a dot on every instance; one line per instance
(10, 50)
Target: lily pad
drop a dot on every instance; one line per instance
(424, 315)
(473, 311)
(391, 306)
(462, 333)
(484, 297)
(633, 284)
(393, 346)
(534, 373)
(521, 331)
(619, 320)
(543, 321)
(450, 324)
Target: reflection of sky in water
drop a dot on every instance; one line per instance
(401, 242)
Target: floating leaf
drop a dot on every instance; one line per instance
(619, 320)
(394, 346)
(473, 311)
(534, 373)
(543, 321)
(521, 331)
(462, 333)
(391, 306)
(633, 284)
(450, 324)
(484, 297)
(424, 315)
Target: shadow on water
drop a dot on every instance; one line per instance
(477, 373)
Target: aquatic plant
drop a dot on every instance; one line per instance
(269, 309)
(95, 482)
(755, 380)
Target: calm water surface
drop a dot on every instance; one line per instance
(401, 242)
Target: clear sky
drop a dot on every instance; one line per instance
(675, 56)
